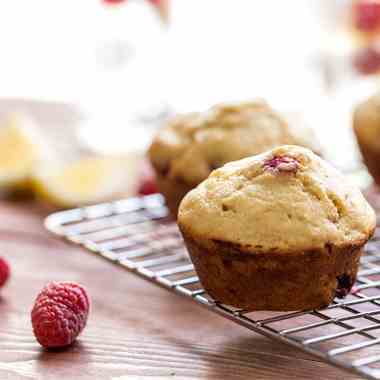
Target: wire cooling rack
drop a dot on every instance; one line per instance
(137, 234)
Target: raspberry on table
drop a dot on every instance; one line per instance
(4, 272)
(60, 314)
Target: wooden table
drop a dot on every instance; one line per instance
(136, 330)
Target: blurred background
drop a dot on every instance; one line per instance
(97, 77)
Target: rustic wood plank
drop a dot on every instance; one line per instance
(135, 331)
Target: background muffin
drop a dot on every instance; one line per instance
(279, 231)
(366, 124)
(185, 152)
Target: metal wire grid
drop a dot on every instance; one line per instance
(137, 234)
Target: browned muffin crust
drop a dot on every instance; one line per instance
(274, 281)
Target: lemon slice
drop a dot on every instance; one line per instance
(20, 150)
(87, 180)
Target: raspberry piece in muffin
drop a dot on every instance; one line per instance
(283, 230)
(281, 164)
(345, 283)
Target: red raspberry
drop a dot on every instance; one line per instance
(113, 1)
(281, 164)
(367, 60)
(367, 15)
(60, 314)
(4, 271)
(345, 283)
(148, 186)
(147, 181)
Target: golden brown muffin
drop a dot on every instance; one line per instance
(185, 152)
(366, 124)
(278, 231)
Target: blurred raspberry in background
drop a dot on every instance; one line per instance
(366, 16)
(367, 60)
(161, 6)
(365, 19)
(147, 184)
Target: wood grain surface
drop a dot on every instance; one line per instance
(136, 331)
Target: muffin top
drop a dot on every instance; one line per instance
(193, 145)
(367, 121)
(284, 200)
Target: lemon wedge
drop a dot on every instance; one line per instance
(87, 180)
(20, 150)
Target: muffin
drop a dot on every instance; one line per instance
(366, 123)
(186, 150)
(278, 231)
